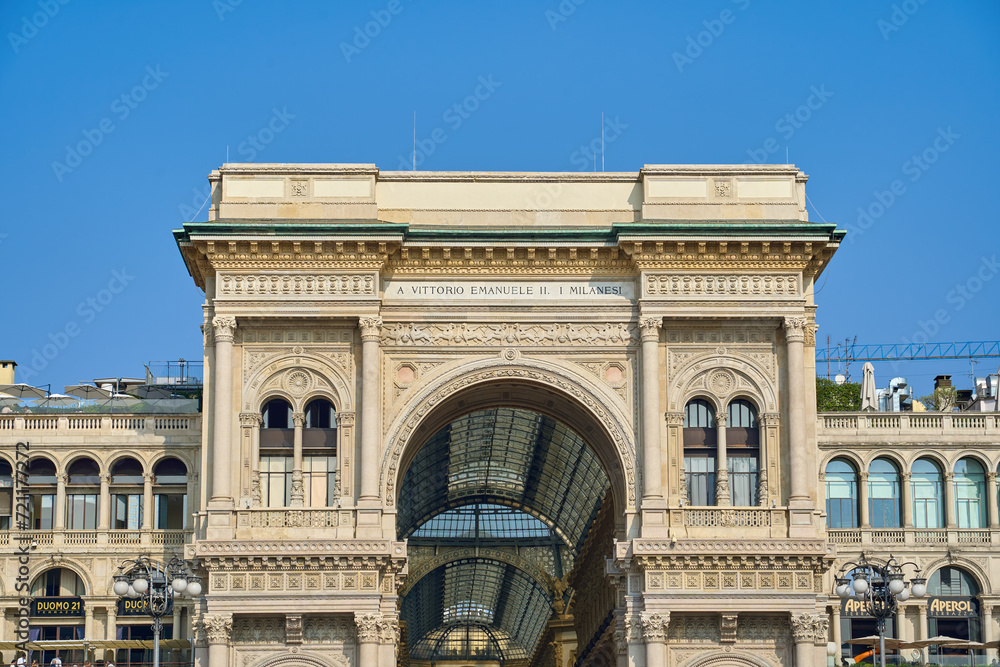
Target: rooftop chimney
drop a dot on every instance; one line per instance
(942, 381)
(7, 371)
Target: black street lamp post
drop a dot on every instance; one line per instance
(880, 587)
(143, 579)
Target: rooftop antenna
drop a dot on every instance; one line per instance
(602, 142)
(414, 140)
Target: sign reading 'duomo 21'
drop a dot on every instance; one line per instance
(510, 290)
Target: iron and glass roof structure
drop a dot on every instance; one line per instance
(502, 478)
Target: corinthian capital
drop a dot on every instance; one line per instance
(809, 627)
(795, 329)
(218, 628)
(654, 626)
(368, 626)
(649, 327)
(371, 328)
(225, 328)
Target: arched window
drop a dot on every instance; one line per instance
(743, 452)
(6, 494)
(927, 487)
(169, 494)
(126, 494)
(277, 413)
(58, 582)
(841, 495)
(970, 494)
(319, 462)
(883, 494)
(954, 582)
(42, 487)
(700, 451)
(82, 494)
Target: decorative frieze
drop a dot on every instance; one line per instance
(728, 285)
(296, 284)
(503, 333)
(259, 630)
(328, 630)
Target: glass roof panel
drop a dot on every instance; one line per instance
(483, 521)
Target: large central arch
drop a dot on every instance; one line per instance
(551, 388)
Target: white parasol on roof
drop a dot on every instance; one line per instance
(869, 397)
(22, 390)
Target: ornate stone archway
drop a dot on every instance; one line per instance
(611, 435)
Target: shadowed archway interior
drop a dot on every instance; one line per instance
(503, 479)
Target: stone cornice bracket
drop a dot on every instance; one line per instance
(810, 627)
(368, 627)
(654, 625)
(224, 328)
(649, 327)
(218, 628)
(795, 329)
(728, 623)
(371, 328)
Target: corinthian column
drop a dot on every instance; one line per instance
(795, 328)
(218, 628)
(809, 630)
(225, 330)
(654, 632)
(368, 638)
(652, 478)
(371, 329)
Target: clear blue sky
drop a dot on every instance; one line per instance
(855, 90)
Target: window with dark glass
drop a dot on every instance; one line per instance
(6, 494)
(883, 494)
(700, 444)
(41, 480)
(82, 494)
(126, 494)
(841, 495)
(927, 486)
(169, 494)
(277, 428)
(743, 452)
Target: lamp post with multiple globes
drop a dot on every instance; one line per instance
(880, 587)
(143, 579)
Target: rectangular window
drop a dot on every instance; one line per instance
(6, 507)
(276, 481)
(170, 510)
(42, 512)
(700, 473)
(743, 480)
(81, 512)
(970, 509)
(927, 504)
(318, 480)
(127, 511)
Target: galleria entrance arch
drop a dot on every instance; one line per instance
(564, 418)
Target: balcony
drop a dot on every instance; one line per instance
(901, 424)
(87, 540)
(89, 423)
(915, 537)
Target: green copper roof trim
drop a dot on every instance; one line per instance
(584, 234)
